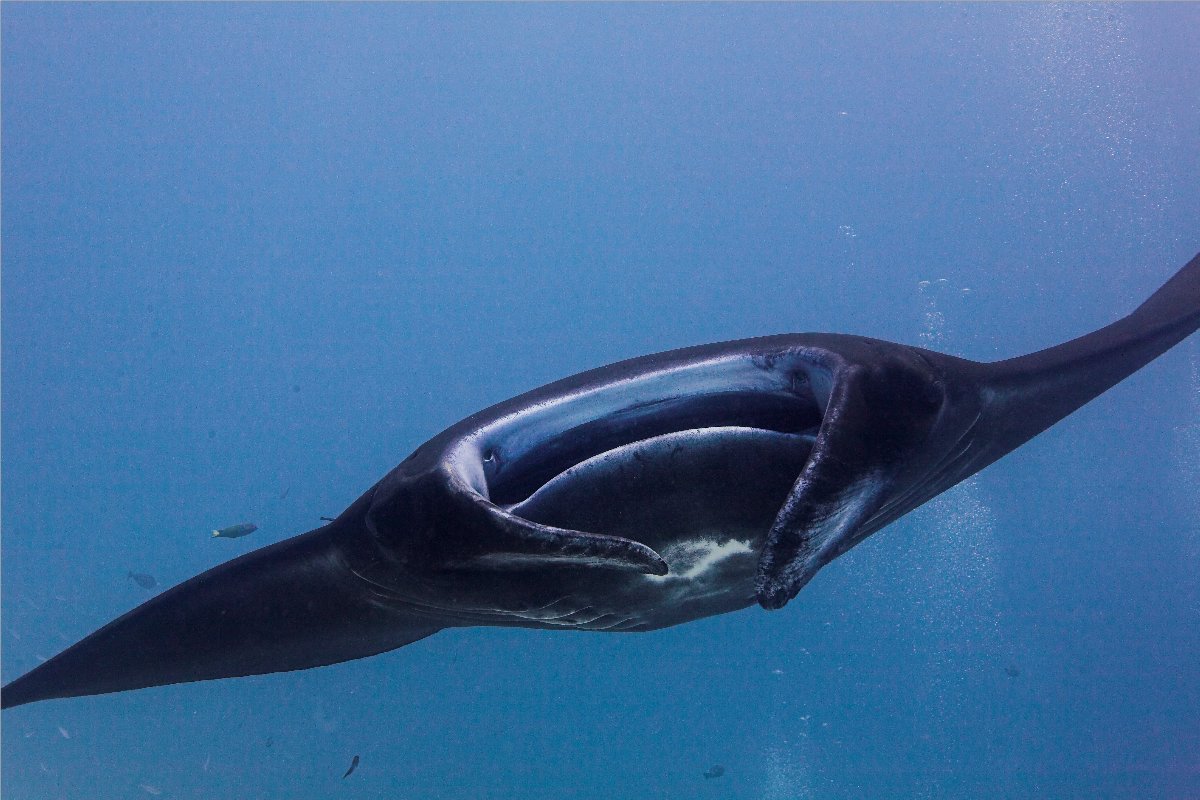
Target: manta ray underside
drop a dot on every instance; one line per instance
(635, 496)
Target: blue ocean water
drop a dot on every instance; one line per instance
(253, 255)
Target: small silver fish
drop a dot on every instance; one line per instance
(236, 531)
(150, 789)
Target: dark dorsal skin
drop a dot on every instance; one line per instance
(635, 496)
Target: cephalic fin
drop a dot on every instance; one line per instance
(462, 529)
(879, 414)
(874, 421)
(522, 543)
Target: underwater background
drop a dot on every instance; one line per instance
(253, 255)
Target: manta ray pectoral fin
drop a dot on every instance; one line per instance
(290, 605)
(1028, 394)
(880, 411)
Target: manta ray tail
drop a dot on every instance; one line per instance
(291, 605)
(1030, 393)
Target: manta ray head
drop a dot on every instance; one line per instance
(654, 500)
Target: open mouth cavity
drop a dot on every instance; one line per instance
(520, 456)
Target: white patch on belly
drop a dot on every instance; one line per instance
(691, 559)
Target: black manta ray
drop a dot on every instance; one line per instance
(635, 496)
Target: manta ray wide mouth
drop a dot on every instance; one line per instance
(518, 465)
